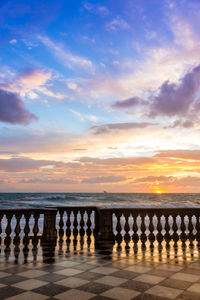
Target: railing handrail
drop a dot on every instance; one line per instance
(74, 207)
(24, 210)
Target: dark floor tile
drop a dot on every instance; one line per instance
(147, 264)
(12, 279)
(102, 261)
(78, 259)
(118, 265)
(9, 291)
(188, 296)
(94, 287)
(125, 274)
(15, 269)
(84, 267)
(136, 285)
(191, 271)
(150, 297)
(176, 284)
(162, 273)
(195, 264)
(51, 268)
(51, 277)
(51, 289)
(89, 275)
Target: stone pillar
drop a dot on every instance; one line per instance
(106, 236)
(49, 228)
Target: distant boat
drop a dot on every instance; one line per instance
(105, 192)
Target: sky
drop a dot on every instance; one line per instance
(100, 95)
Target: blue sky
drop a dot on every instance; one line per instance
(83, 81)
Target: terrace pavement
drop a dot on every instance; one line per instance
(82, 272)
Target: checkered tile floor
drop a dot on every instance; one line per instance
(82, 275)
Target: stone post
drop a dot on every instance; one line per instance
(106, 236)
(49, 229)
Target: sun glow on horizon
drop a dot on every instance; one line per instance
(159, 192)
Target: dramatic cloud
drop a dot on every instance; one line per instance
(30, 83)
(170, 180)
(128, 103)
(123, 173)
(49, 181)
(188, 181)
(176, 99)
(34, 77)
(12, 109)
(152, 179)
(171, 99)
(9, 152)
(21, 164)
(137, 81)
(104, 179)
(167, 62)
(106, 128)
(183, 123)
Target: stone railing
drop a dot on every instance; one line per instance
(83, 220)
(107, 226)
(156, 224)
(11, 227)
(77, 222)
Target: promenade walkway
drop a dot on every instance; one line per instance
(83, 272)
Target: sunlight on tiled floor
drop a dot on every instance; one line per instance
(82, 273)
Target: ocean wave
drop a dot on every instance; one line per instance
(59, 197)
(157, 205)
(111, 200)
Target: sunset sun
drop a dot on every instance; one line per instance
(158, 192)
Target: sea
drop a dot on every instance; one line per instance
(111, 200)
